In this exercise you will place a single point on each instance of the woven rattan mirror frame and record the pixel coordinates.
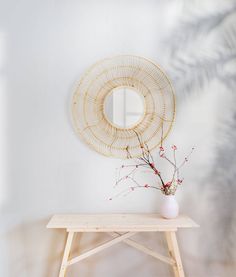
(135, 72)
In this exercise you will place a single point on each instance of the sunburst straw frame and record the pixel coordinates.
(137, 73)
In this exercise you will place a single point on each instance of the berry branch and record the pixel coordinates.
(146, 161)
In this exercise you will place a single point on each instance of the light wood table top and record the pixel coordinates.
(119, 222)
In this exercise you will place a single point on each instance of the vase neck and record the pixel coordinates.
(170, 196)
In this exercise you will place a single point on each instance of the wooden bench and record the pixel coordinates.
(121, 227)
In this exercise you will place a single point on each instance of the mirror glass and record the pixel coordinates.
(124, 107)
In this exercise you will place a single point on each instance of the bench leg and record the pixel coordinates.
(66, 254)
(174, 253)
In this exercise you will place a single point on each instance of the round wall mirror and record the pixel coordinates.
(124, 107)
(121, 103)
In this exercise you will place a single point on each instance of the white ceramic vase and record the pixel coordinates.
(169, 207)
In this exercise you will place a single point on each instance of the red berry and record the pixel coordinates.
(156, 172)
(167, 184)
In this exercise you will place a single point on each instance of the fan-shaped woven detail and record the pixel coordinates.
(88, 103)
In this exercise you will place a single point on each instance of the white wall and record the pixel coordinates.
(45, 46)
